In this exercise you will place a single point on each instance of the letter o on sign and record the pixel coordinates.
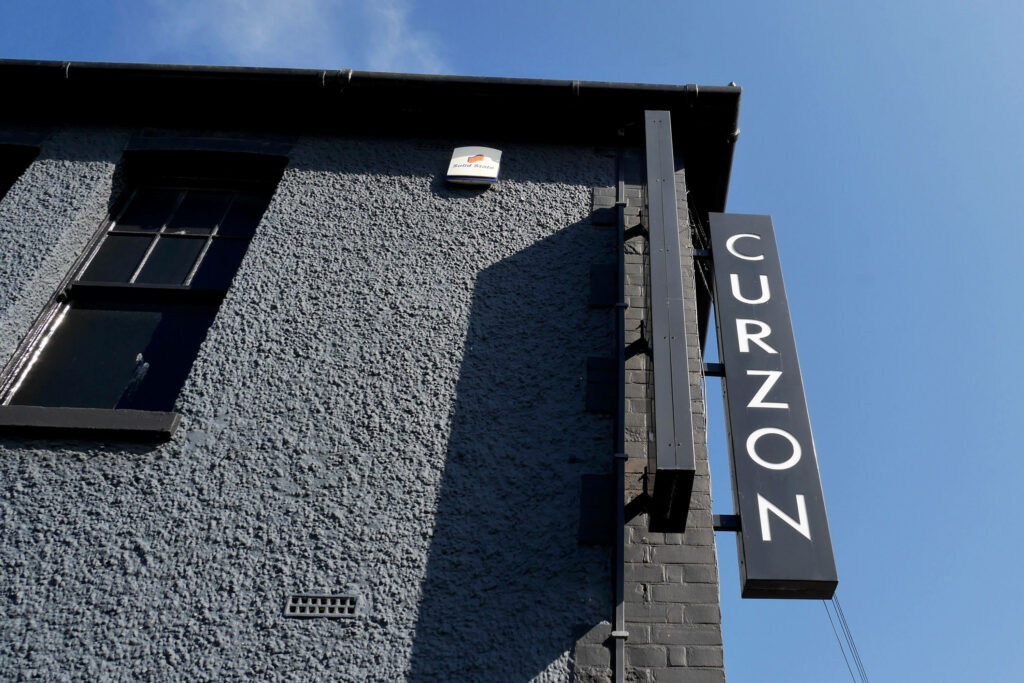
(764, 431)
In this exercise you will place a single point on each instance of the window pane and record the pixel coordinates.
(117, 259)
(14, 159)
(199, 211)
(244, 215)
(117, 354)
(219, 264)
(171, 261)
(149, 210)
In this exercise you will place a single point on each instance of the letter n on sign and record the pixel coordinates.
(785, 550)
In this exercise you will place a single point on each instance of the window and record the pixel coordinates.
(124, 332)
(14, 159)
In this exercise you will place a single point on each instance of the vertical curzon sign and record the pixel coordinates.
(785, 550)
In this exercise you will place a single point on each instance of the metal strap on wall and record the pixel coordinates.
(672, 448)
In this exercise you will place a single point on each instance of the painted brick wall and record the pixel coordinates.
(673, 610)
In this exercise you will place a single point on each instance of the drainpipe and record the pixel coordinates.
(619, 633)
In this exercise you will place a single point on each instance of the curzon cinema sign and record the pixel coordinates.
(785, 550)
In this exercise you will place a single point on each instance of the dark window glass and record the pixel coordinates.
(220, 264)
(111, 353)
(244, 216)
(118, 258)
(149, 209)
(129, 343)
(14, 159)
(171, 261)
(199, 212)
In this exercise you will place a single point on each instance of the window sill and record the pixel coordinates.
(89, 423)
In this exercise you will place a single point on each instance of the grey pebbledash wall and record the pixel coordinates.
(47, 217)
(389, 404)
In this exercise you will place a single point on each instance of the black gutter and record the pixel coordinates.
(359, 102)
(115, 71)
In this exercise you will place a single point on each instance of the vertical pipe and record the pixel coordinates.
(619, 633)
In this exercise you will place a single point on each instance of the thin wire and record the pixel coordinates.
(702, 267)
(699, 267)
(849, 635)
(839, 640)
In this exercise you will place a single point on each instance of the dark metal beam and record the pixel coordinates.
(714, 370)
(727, 522)
(672, 447)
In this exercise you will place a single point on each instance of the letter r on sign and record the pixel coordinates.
(745, 337)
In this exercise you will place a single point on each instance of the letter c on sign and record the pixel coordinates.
(764, 431)
(730, 244)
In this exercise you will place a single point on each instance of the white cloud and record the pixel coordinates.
(330, 34)
(396, 44)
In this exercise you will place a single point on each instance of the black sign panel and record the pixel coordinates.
(785, 550)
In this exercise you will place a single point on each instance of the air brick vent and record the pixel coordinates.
(321, 606)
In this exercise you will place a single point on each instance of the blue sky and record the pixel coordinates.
(885, 140)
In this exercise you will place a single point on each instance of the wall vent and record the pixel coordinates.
(310, 606)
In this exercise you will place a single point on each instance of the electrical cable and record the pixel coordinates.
(849, 635)
(839, 640)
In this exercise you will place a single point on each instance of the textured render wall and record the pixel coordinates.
(389, 403)
(673, 613)
(47, 217)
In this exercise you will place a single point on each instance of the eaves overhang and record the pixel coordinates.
(347, 102)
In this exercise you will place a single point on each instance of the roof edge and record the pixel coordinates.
(74, 70)
(343, 101)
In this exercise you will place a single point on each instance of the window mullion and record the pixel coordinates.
(156, 238)
(209, 241)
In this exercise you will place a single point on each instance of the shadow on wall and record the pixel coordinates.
(507, 587)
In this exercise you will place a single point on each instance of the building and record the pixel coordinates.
(281, 403)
